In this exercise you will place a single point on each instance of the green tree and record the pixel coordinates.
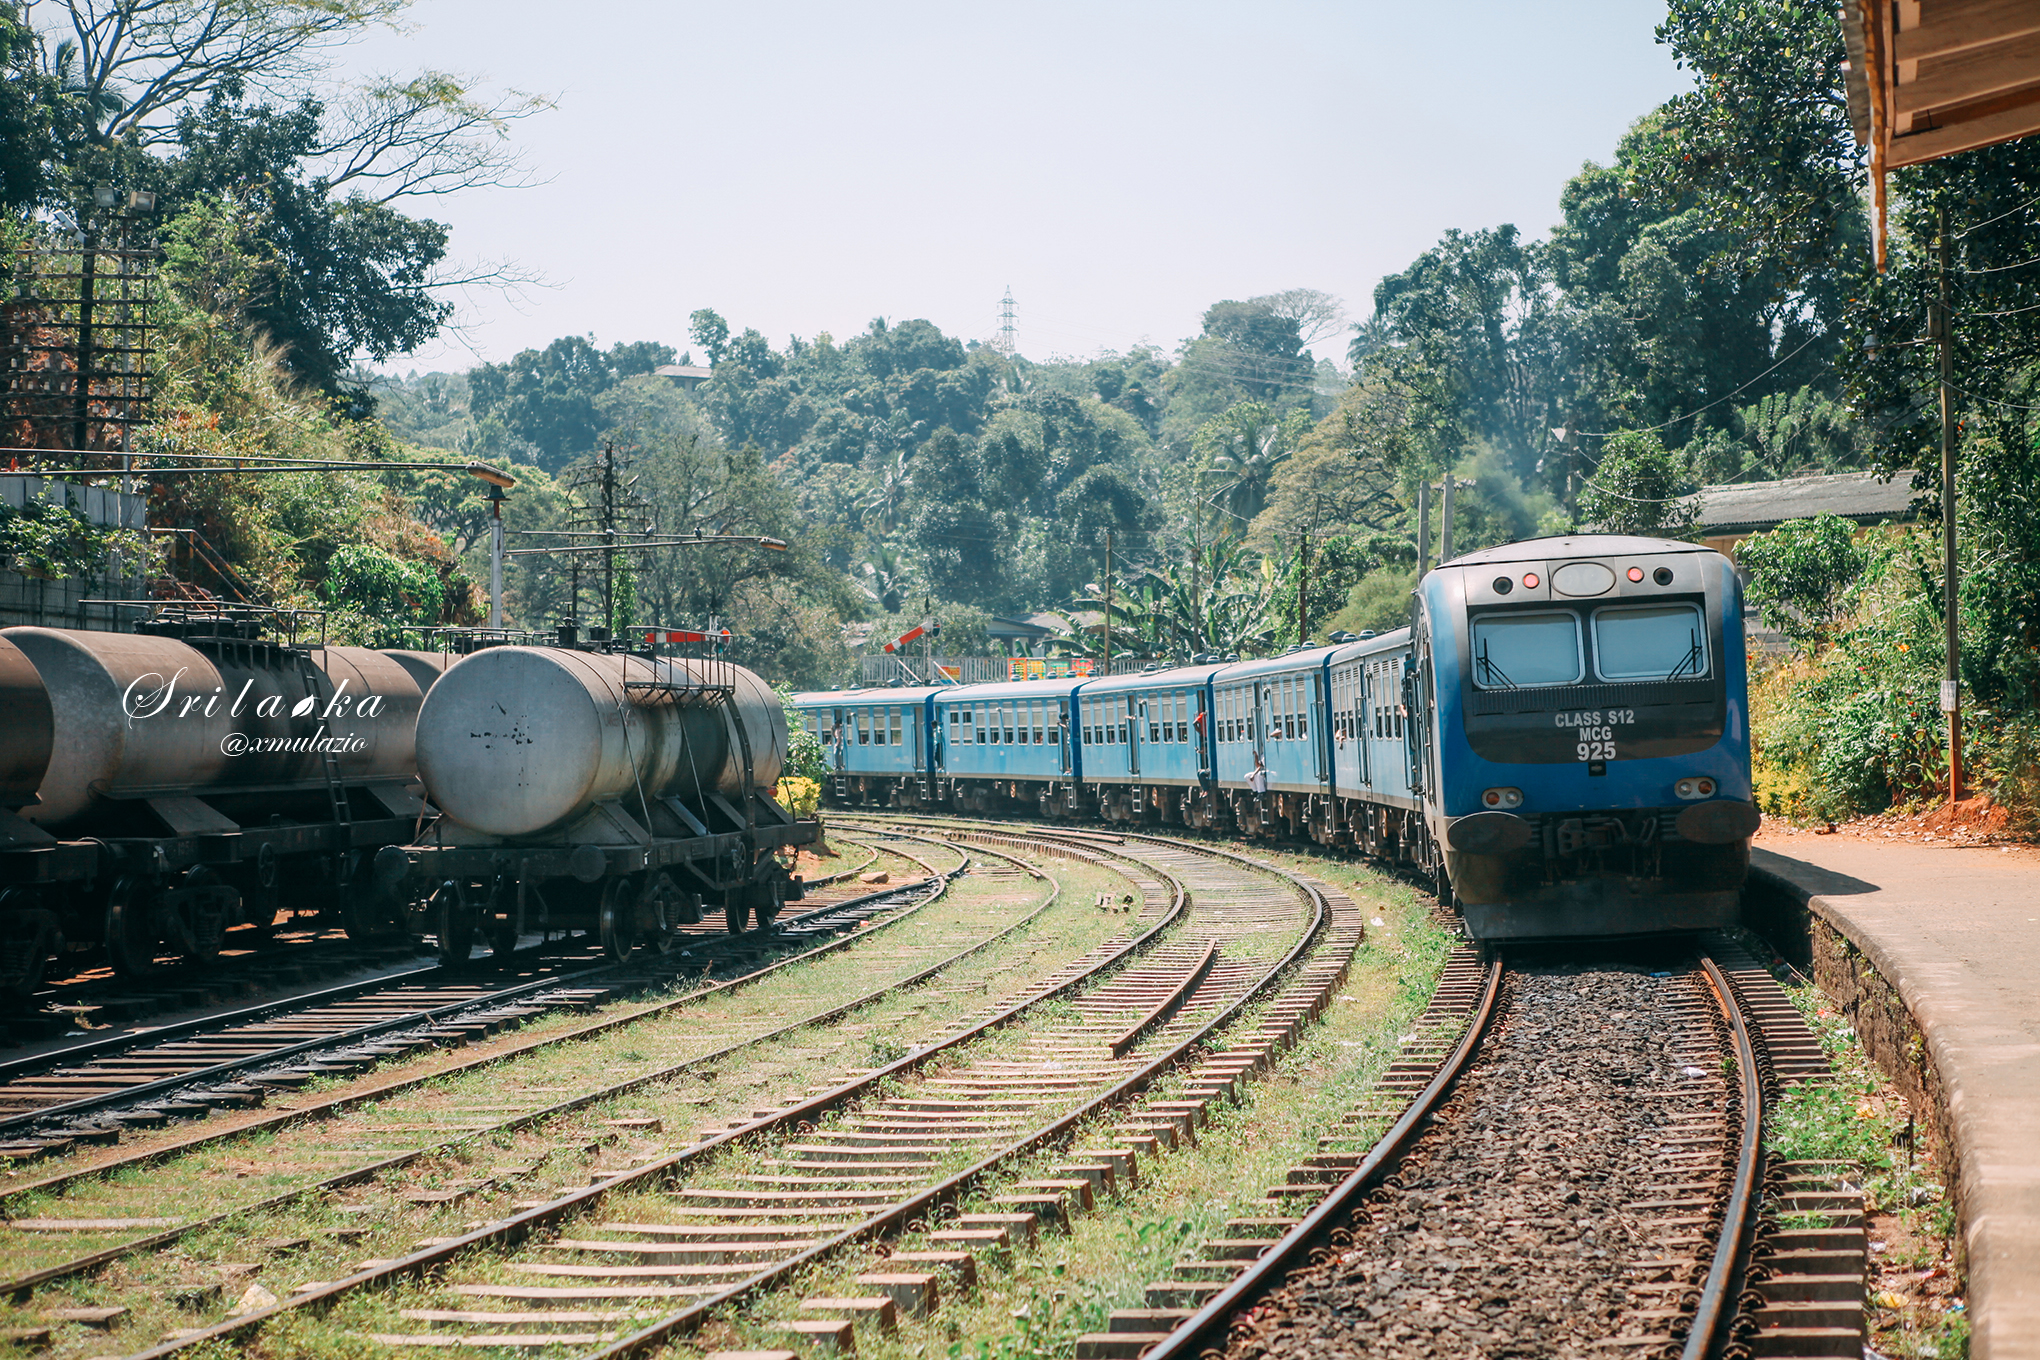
(30, 104)
(1242, 448)
(1639, 487)
(1804, 575)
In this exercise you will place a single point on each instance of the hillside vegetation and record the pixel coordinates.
(1704, 310)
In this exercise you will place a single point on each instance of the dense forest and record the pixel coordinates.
(1704, 309)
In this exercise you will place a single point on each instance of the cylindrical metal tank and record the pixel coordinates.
(135, 715)
(27, 732)
(425, 667)
(513, 741)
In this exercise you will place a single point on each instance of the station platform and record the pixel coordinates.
(1955, 931)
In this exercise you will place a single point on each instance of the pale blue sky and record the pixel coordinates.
(803, 167)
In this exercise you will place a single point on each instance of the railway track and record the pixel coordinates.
(1010, 1073)
(93, 1091)
(87, 1200)
(1432, 1221)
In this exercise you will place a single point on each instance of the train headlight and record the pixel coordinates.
(1690, 789)
(1636, 573)
(1502, 798)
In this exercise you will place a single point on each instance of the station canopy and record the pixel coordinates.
(1930, 78)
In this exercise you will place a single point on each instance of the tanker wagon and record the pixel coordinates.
(162, 787)
(615, 793)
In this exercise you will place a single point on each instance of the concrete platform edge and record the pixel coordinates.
(1917, 1056)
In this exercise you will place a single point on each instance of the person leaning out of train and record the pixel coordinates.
(1258, 780)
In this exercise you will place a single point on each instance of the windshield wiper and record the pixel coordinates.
(1490, 674)
(1692, 659)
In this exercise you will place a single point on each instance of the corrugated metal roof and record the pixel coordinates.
(1741, 507)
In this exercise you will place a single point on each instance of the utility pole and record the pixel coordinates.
(1303, 588)
(1445, 530)
(1941, 328)
(1423, 527)
(1108, 601)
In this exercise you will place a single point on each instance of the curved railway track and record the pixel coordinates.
(1209, 939)
(897, 970)
(92, 1091)
(897, 1180)
(1344, 1207)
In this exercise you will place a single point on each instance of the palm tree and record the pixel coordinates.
(1244, 445)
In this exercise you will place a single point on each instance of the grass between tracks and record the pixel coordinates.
(500, 1169)
(1916, 1307)
(1031, 1303)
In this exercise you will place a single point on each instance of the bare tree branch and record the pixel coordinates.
(144, 60)
(1316, 314)
(428, 135)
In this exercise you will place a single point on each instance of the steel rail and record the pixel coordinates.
(1715, 1313)
(1207, 1325)
(938, 879)
(665, 1329)
(70, 1111)
(358, 1174)
(35, 1064)
(514, 1229)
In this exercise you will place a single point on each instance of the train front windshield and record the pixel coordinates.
(1652, 642)
(1514, 650)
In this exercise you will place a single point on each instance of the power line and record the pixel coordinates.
(1598, 434)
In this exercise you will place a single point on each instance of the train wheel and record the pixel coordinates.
(132, 938)
(736, 910)
(454, 921)
(769, 902)
(499, 919)
(616, 919)
(661, 910)
(32, 936)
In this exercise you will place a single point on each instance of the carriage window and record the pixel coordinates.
(1154, 717)
(1514, 651)
(1304, 689)
(1652, 642)
(896, 717)
(864, 727)
(1040, 723)
(1121, 714)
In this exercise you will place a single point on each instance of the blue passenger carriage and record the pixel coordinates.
(876, 742)
(1146, 746)
(1374, 806)
(1006, 744)
(1273, 712)
(1583, 741)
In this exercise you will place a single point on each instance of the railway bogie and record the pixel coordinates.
(1559, 739)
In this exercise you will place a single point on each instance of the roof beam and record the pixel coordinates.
(1947, 28)
(1975, 74)
(2003, 125)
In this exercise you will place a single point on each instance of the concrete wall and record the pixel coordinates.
(26, 599)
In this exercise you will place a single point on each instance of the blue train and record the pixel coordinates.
(1560, 738)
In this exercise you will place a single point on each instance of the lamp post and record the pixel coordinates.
(499, 481)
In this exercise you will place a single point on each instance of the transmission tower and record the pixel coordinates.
(1005, 344)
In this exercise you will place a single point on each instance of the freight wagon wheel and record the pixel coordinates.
(132, 937)
(616, 919)
(736, 909)
(500, 919)
(769, 901)
(662, 908)
(32, 936)
(454, 921)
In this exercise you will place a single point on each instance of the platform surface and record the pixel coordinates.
(1956, 930)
